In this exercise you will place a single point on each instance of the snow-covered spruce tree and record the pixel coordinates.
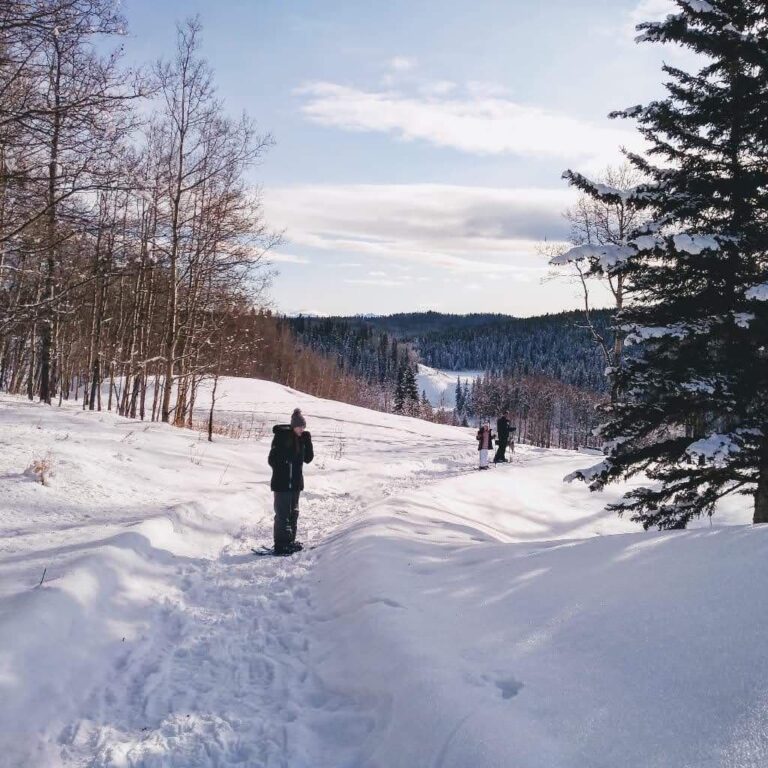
(459, 399)
(692, 410)
(410, 390)
(400, 395)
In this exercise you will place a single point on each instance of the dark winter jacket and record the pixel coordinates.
(491, 438)
(503, 427)
(287, 457)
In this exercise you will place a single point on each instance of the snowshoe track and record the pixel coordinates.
(223, 675)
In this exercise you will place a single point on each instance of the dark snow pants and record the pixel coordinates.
(286, 517)
(501, 451)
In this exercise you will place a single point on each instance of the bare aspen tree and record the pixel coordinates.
(601, 222)
(205, 213)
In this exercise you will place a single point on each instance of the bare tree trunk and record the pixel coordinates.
(213, 405)
(46, 334)
(32, 362)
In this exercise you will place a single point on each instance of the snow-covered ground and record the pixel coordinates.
(440, 386)
(446, 618)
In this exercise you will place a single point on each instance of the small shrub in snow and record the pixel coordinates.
(339, 443)
(41, 469)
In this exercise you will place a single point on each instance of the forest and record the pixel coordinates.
(545, 370)
(130, 239)
(558, 346)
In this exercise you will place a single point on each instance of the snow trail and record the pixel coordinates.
(225, 676)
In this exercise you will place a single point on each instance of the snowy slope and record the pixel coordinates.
(497, 625)
(440, 386)
(447, 617)
(156, 638)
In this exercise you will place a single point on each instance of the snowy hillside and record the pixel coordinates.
(446, 618)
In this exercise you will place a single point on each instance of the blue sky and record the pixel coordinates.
(420, 144)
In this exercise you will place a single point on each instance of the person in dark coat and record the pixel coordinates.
(484, 444)
(504, 429)
(291, 450)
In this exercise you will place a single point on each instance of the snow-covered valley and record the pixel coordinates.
(440, 386)
(444, 617)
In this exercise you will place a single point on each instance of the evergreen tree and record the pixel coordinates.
(692, 405)
(470, 401)
(400, 391)
(459, 397)
(425, 407)
(466, 398)
(410, 389)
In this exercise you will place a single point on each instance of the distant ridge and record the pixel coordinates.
(555, 345)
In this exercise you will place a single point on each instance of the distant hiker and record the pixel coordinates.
(504, 429)
(484, 444)
(291, 449)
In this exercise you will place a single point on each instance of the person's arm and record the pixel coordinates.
(272, 460)
(309, 451)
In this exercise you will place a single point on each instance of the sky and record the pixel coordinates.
(419, 144)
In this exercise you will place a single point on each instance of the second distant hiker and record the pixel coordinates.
(291, 450)
(504, 430)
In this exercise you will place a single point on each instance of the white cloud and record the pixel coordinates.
(384, 283)
(438, 87)
(402, 64)
(658, 10)
(481, 119)
(458, 230)
(651, 10)
(287, 258)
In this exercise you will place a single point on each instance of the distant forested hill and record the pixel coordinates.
(557, 346)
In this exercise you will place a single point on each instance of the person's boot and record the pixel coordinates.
(296, 546)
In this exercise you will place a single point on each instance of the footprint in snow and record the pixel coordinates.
(509, 687)
(384, 601)
(506, 685)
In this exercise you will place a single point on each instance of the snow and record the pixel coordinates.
(590, 473)
(715, 448)
(758, 293)
(743, 319)
(639, 333)
(695, 244)
(440, 385)
(608, 256)
(605, 190)
(447, 617)
(695, 386)
(648, 242)
(701, 6)
(683, 243)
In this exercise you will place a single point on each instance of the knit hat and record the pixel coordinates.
(297, 420)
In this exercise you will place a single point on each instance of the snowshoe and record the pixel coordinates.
(286, 551)
(271, 552)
